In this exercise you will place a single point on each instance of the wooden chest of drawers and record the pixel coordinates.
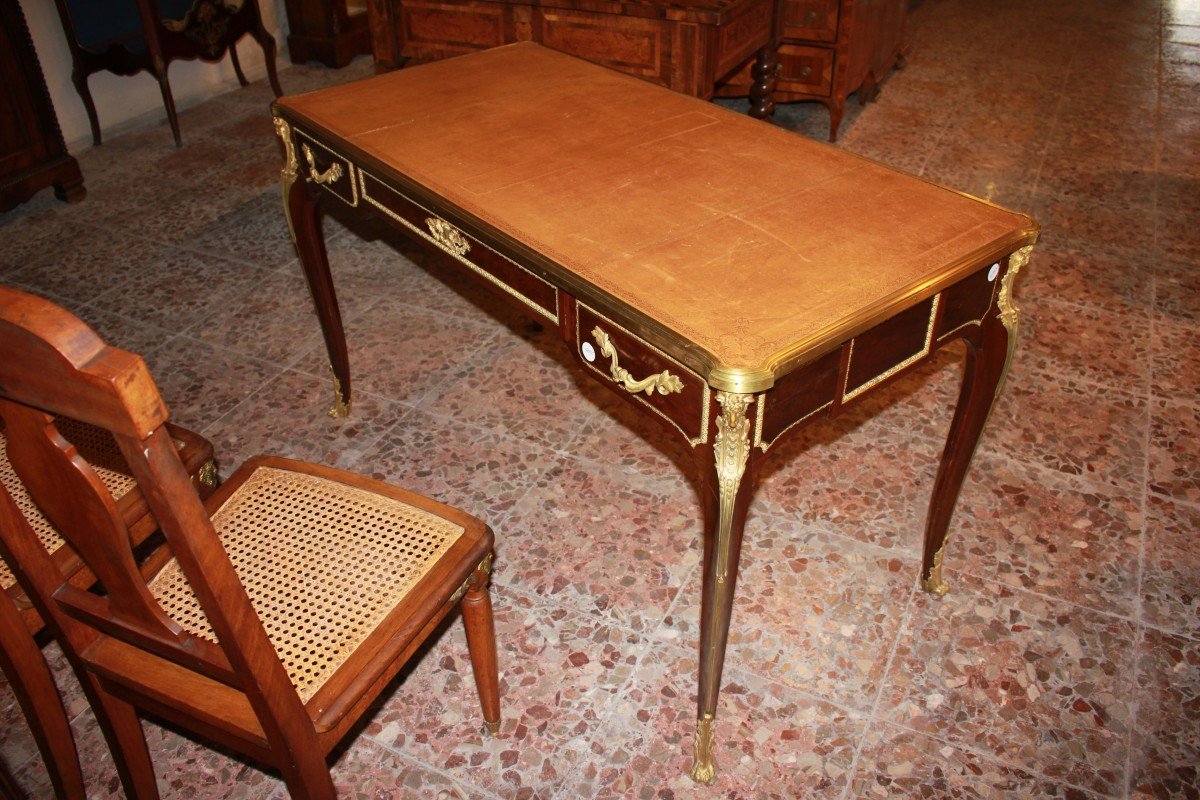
(830, 49)
(686, 45)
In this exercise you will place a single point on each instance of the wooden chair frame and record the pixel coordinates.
(188, 41)
(21, 658)
(128, 653)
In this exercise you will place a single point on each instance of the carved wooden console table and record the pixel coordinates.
(730, 279)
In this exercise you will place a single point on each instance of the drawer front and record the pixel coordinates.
(812, 20)
(432, 30)
(633, 45)
(889, 347)
(641, 372)
(805, 69)
(326, 168)
(507, 275)
(965, 303)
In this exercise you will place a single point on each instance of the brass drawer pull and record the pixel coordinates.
(663, 382)
(810, 16)
(804, 73)
(331, 175)
(447, 237)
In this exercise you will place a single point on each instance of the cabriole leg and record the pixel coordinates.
(989, 354)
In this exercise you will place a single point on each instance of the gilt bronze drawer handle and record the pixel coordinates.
(331, 175)
(447, 237)
(663, 382)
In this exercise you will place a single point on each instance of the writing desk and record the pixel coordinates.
(730, 279)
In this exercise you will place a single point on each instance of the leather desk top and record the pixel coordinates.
(736, 246)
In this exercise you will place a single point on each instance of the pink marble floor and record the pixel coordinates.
(1064, 663)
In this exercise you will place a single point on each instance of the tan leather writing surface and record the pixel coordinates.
(757, 246)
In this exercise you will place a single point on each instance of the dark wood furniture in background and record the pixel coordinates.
(126, 38)
(20, 657)
(277, 610)
(330, 31)
(829, 49)
(689, 45)
(32, 153)
(729, 280)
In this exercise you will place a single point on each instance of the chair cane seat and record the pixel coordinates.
(101, 451)
(323, 563)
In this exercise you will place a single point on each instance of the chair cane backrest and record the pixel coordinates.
(52, 364)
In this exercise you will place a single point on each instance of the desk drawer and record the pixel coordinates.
(634, 368)
(324, 167)
(813, 20)
(505, 274)
(805, 69)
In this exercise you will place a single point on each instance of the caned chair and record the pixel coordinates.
(20, 657)
(278, 609)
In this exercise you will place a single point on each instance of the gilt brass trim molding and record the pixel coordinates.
(662, 382)
(428, 236)
(758, 426)
(892, 370)
(484, 568)
(704, 395)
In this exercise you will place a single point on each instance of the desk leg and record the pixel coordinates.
(765, 73)
(301, 204)
(989, 353)
(726, 491)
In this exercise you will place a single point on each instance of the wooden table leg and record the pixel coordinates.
(301, 204)
(728, 469)
(989, 352)
(765, 73)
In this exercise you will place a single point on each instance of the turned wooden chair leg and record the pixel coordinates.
(481, 642)
(237, 65)
(22, 663)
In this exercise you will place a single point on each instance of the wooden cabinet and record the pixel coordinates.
(829, 49)
(330, 31)
(686, 45)
(32, 153)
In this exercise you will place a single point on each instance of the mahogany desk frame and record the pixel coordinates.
(731, 420)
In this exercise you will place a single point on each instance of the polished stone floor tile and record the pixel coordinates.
(1033, 681)
(1171, 575)
(1175, 449)
(812, 610)
(1166, 740)
(771, 741)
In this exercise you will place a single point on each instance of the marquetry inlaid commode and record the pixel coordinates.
(731, 281)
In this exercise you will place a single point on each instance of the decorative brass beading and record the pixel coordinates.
(703, 770)
(331, 175)
(208, 474)
(662, 382)
(340, 407)
(447, 237)
(289, 173)
(935, 584)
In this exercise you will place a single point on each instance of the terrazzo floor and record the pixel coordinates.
(1065, 662)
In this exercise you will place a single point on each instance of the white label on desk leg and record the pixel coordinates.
(588, 351)
(993, 272)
